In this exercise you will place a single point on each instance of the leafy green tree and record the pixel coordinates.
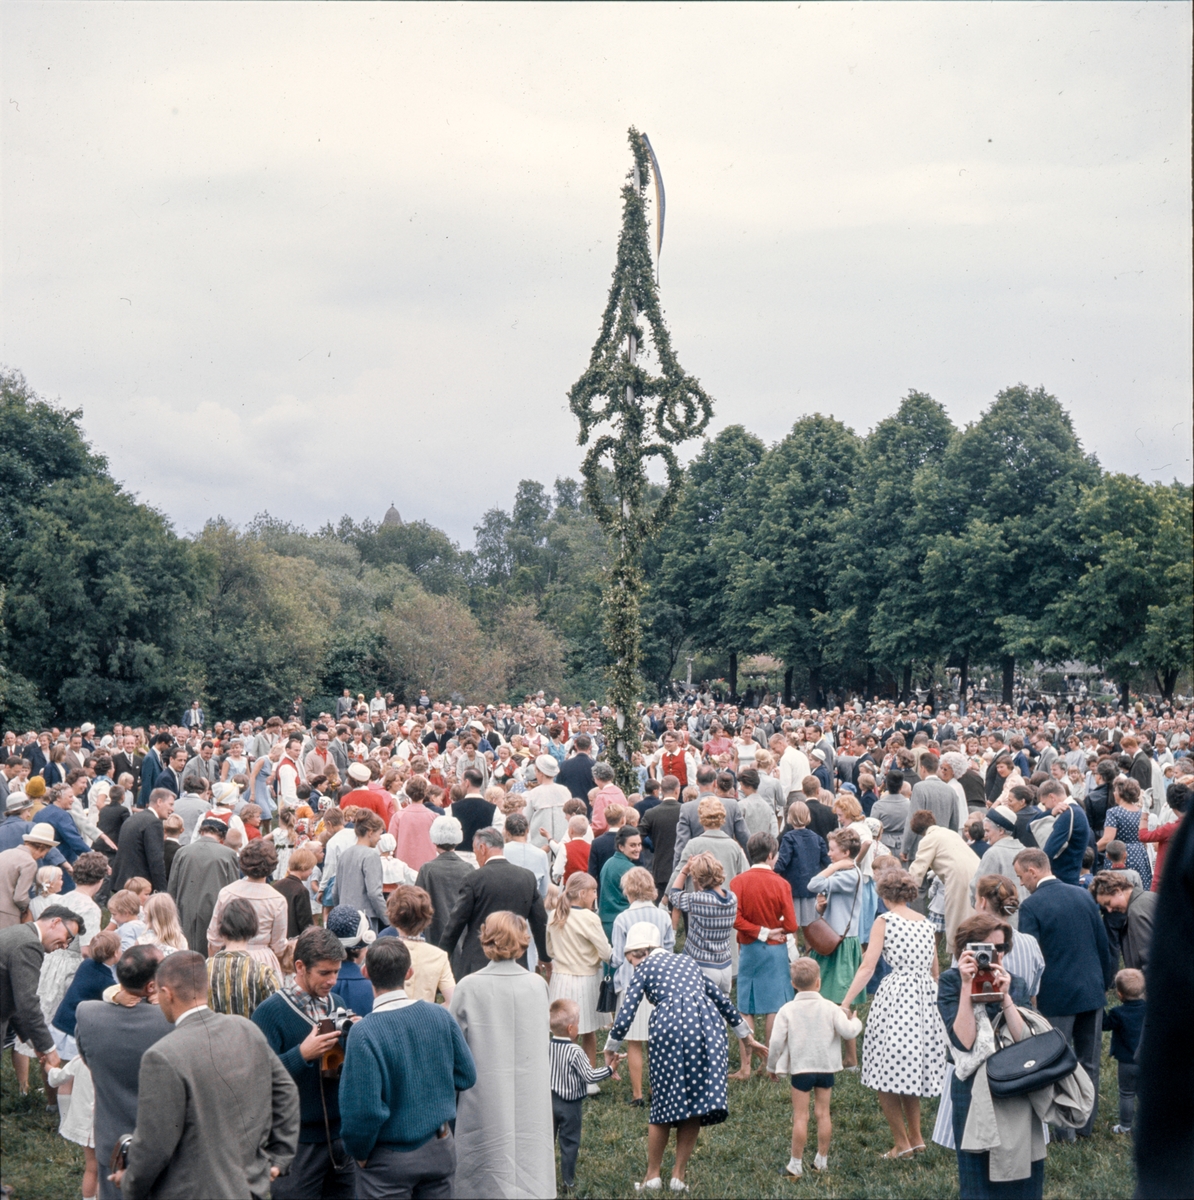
(998, 510)
(1129, 610)
(876, 610)
(779, 579)
(710, 528)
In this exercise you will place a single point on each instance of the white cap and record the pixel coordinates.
(359, 772)
(546, 764)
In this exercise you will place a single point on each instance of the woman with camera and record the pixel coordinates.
(968, 1025)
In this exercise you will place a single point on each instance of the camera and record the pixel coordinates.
(338, 1021)
(983, 987)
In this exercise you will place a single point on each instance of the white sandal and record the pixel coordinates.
(649, 1185)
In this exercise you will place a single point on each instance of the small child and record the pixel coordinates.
(806, 1043)
(125, 907)
(571, 854)
(571, 1075)
(250, 817)
(1126, 1021)
(1088, 861)
(140, 887)
(1117, 860)
(48, 881)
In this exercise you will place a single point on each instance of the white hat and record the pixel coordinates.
(224, 792)
(446, 831)
(643, 936)
(819, 755)
(42, 834)
(17, 802)
(359, 772)
(546, 764)
(387, 844)
(87, 727)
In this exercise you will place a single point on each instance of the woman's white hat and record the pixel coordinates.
(359, 772)
(546, 764)
(643, 936)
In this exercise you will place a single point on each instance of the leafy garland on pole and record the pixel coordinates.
(648, 415)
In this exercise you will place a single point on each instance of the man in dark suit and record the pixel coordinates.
(142, 846)
(473, 811)
(217, 1112)
(126, 762)
(153, 765)
(1067, 923)
(576, 773)
(170, 776)
(498, 886)
(442, 878)
(659, 824)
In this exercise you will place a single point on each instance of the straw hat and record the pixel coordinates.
(42, 834)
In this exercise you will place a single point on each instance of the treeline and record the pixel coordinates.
(859, 563)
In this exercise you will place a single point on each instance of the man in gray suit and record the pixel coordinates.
(935, 795)
(1046, 754)
(217, 1113)
(689, 825)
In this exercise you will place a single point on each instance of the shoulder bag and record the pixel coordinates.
(1029, 1065)
(821, 936)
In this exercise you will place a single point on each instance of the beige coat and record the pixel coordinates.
(946, 854)
(807, 1036)
(18, 869)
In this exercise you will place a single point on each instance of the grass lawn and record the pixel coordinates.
(742, 1157)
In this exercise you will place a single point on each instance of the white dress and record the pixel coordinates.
(904, 1044)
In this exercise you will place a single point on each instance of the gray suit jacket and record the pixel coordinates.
(215, 1110)
(940, 799)
(358, 883)
(689, 825)
(21, 956)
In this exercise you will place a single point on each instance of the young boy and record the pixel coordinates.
(806, 1043)
(571, 1074)
(1126, 1022)
(1088, 861)
(125, 909)
(1117, 860)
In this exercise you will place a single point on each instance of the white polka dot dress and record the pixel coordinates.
(689, 1050)
(904, 1044)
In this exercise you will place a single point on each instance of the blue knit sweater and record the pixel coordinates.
(402, 1070)
(284, 1029)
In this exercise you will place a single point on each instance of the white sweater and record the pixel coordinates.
(807, 1036)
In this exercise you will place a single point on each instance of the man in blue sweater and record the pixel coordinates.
(404, 1064)
(1070, 834)
(322, 1167)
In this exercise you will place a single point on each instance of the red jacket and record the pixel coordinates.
(576, 857)
(764, 902)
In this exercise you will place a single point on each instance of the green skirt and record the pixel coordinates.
(839, 969)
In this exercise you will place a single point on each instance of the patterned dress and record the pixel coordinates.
(904, 1047)
(689, 1054)
(1126, 823)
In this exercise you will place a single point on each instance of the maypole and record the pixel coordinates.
(647, 416)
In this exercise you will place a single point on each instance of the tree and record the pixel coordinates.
(1129, 610)
(876, 608)
(1007, 489)
(711, 526)
(616, 389)
(779, 580)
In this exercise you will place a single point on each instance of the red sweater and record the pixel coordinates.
(764, 902)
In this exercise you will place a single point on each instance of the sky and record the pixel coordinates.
(317, 259)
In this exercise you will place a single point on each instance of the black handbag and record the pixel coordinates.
(1027, 1066)
(607, 997)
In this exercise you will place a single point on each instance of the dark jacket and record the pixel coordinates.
(298, 904)
(442, 878)
(602, 849)
(125, 764)
(21, 955)
(70, 841)
(802, 854)
(1068, 841)
(576, 774)
(1095, 804)
(972, 785)
(151, 767)
(499, 886)
(823, 819)
(89, 983)
(141, 851)
(659, 824)
(473, 813)
(1067, 923)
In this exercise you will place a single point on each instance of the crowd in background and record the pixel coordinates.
(429, 913)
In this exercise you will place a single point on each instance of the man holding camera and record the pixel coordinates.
(298, 1024)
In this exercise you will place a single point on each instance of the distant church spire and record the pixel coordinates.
(392, 517)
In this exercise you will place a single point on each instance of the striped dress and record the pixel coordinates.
(237, 983)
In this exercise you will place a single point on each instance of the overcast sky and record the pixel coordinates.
(314, 259)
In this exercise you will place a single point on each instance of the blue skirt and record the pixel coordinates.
(764, 981)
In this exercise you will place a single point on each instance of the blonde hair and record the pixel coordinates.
(846, 806)
(637, 884)
(578, 882)
(798, 814)
(504, 936)
(578, 826)
(763, 759)
(46, 878)
(691, 792)
(712, 813)
(139, 887)
(562, 1013)
(706, 872)
(125, 903)
(301, 859)
(806, 974)
(161, 916)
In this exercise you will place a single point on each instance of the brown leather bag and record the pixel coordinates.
(821, 936)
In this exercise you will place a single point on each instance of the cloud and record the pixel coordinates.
(313, 259)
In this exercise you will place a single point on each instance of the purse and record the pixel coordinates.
(1027, 1066)
(821, 936)
(607, 996)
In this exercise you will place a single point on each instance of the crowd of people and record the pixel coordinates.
(371, 953)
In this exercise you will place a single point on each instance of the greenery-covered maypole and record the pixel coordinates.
(647, 415)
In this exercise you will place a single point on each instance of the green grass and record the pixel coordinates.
(741, 1157)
